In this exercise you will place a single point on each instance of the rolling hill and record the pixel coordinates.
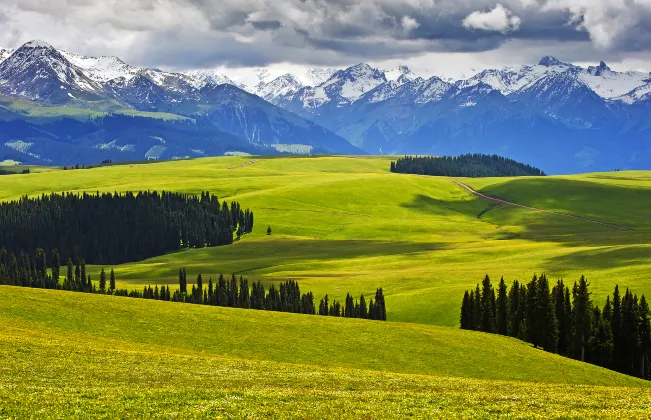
(131, 357)
(340, 224)
(346, 224)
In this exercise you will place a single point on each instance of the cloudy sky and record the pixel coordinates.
(446, 37)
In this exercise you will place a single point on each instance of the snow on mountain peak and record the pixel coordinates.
(5, 53)
(401, 75)
(284, 86)
(37, 44)
(102, 69)
(317, 76)
(549, 61)
(599, 70)
(205, 77)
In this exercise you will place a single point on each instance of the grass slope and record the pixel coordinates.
(77, 355)
(345, 224)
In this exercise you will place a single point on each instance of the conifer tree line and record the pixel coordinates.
(233, 292)
(356, 308)
(6, 172)
(565, 321)
(116, 228)
(469, 165)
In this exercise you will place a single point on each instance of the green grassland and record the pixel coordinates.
(76, 355)
(345, 224)
(13, 108)
(340, 224)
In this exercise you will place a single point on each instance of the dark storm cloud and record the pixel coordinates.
(200, 33)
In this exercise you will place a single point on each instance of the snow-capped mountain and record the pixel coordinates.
(37, 71)
(600, 79)
(280, 90)
(205, 77)
(593, 117)
(102, 69)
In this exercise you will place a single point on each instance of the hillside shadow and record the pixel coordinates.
(431, 206)
(604, 258)
(624, 206)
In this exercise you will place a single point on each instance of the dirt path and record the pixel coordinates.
(251, 162)
(499, 200)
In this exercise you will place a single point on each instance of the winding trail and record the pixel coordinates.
(499, 200)
(251, 162)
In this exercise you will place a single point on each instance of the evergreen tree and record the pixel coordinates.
(471, 311)
(514, 301)
(600, 344)
(616, 325)
(478, 308)
(183, 283)
(487, 302)
(644, 329)
(548, 328)
(582, 313)
(102, 281)
(233, 292)
(55, 264)
(465, 309)
(269, 230)
(502, 309)
(112, 281)
(532, 333)
(70, 280)
(363, 310)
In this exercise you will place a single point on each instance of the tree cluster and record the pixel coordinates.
(470, 165)
(43, 271)
(115, 228)
(566, 321)
(6, 172)
(235, 293)
(355, 308)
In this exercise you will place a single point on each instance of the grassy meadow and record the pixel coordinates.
(339, 224)
(93, 356)
(345, 224)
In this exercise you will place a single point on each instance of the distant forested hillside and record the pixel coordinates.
(115, 228)
(470, 165)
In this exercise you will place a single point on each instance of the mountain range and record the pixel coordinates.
(554, 115)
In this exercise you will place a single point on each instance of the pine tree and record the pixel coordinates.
(532, 332)
(471, 311)
(465, 308)
(645, 337)
(514, 300)
(582, 313)
(102, 281)
(502, 309)
(548, 328)
(478, 308)
(233, 292)
(269, 230)
(363, 310)
(183, 284)
(487, 323)
(600, 344)
(55, 263)
(616, 325)
(112, 281)
(70, 280)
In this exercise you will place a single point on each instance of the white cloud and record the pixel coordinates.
(500, 19)
(409, 24)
